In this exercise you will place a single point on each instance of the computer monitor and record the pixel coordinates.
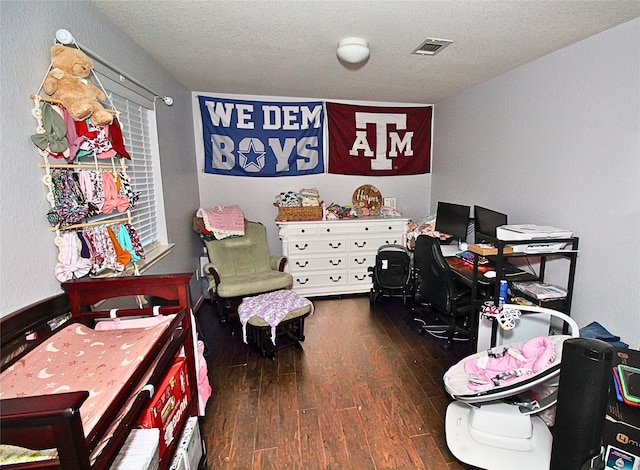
(452, 219)
(486, 221)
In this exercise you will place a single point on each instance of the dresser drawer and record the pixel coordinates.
(295, 231)
(330, 261)
(370, 244)
(316, 245)
(395, 226)
(338, 278)
(360, 278)
(361, 260)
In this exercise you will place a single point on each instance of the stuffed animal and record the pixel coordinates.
(67, 81)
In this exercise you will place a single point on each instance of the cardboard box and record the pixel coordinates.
(190, 449)
(140, 451)
(485, 249)
(622, 424)
(168, 405)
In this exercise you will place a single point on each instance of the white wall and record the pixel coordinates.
(27, 252)
(557, 142)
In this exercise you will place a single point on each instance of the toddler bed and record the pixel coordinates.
(77, 390)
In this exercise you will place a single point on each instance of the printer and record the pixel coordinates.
(541, 237)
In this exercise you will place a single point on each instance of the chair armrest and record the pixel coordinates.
(278, 263)
(211, 274)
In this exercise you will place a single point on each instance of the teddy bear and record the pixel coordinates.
(67, 82)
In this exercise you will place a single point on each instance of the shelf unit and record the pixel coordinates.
(570, 252)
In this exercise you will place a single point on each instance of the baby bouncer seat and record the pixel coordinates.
(497, 420)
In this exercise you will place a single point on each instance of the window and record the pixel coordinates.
(137, 120)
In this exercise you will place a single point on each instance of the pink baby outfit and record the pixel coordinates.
(501, 366)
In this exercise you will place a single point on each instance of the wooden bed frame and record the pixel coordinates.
(53, 421)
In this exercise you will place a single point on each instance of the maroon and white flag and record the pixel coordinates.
(379, 140)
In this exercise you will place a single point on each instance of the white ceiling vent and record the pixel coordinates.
(431, 46)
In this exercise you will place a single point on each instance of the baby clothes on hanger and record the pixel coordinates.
(71, 265)
(135, 240)
(112, 199)
(68, 200)
(122, 256)
(124, 239)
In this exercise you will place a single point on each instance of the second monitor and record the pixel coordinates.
(486, 221)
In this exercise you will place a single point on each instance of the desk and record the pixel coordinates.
(472, 275)
(464, 271)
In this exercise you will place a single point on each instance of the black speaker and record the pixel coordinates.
(582, 400)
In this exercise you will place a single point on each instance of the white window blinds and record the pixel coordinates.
(137, 120)
(136, 133)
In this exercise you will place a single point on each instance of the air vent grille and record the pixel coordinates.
(431, 46)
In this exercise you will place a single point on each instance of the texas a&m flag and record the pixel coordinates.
(379, 140)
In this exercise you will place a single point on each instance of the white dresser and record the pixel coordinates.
(332, 257)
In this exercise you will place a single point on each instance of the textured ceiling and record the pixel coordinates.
(288, 48)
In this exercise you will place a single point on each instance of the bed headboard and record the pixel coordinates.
(83, 293)
(22, 330)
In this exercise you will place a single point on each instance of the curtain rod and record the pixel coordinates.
(65, 37)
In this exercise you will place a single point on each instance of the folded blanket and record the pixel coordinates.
(272, 307)
(223, 221)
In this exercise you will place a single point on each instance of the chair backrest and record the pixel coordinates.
(436, 279)
(236, 256)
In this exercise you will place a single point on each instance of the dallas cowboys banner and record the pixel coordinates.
(379, 140)
(262, 138)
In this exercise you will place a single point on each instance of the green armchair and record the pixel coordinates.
(243, 266)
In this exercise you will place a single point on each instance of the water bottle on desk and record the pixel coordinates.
(503, 293)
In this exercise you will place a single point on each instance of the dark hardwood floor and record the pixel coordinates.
(364, 392)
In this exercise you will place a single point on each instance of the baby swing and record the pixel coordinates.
(495, 421)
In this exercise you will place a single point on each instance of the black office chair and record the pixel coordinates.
(440, 293)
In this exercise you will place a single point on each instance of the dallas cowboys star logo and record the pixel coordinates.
(252, 157)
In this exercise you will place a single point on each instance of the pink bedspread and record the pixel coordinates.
(78, 358)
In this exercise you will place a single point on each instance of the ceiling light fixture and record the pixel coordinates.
(353, 50)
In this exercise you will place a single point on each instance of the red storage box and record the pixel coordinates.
(169, 405)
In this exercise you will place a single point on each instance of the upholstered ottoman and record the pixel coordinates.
(274, 320)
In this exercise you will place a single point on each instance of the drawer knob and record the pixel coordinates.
(302, 265)
(300, 281)
(362, 261)
(361, 278)
(302, 248)
(335, 246)
(328, 230)
(334, 279)
(359, 245)
(335, 263)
